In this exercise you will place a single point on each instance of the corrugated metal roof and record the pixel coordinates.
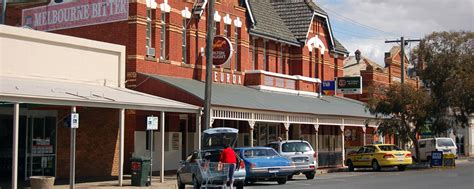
(49, 92)
(248, 98)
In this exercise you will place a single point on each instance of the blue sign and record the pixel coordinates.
(328, 85)
(436, 158)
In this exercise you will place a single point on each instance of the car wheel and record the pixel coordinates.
(350, 165)
(282, 180)
(402, 167)
(290, 177)
(181, 185)
(240, 185)
(196, 183)
(310, 175)
(375, 165)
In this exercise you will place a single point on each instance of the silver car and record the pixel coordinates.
(301, 153)
(214, 140)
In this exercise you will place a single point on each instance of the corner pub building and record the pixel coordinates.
(269, 89)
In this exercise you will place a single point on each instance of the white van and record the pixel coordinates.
(445, 145)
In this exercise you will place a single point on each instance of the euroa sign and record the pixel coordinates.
(221, 50)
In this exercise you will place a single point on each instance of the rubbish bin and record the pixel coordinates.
(140, 171)
(42, 182)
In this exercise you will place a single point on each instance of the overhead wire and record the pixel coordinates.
(358, 23)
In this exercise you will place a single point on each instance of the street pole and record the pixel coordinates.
(402, 42)
(72, 165)
(209, 42)
(4, 11)
(402, 59)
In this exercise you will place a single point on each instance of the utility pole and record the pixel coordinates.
(402, 42)
(209, 42)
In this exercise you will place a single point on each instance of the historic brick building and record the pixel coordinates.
(373, 75)
(269, 89)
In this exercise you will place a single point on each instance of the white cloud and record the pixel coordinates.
(410, 18)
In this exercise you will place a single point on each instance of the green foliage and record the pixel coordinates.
(445, 63)
(403, 111)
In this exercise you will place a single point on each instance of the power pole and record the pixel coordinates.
(402, 42)
(209, 42)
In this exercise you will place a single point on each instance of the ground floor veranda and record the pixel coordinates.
(44, 138)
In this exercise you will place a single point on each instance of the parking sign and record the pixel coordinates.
(74, 120)
(152, 123)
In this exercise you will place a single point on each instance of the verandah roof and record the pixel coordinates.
(245, 97)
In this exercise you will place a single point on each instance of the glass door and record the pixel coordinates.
(41, 146)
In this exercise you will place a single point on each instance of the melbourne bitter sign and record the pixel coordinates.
(78, 13)
(221, 50)
(349, 85)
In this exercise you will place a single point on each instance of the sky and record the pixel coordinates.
(366, 24)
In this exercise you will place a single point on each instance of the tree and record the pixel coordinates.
(403, 110)
(445, 63)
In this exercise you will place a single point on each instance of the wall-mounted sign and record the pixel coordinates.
(151, 123)
(57, 16)
(74, 120)
(349, 85)
(227, 78)
(328, 87)
(221, 50)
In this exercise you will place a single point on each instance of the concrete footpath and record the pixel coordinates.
(170, 183)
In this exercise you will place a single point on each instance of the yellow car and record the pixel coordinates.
(377, 156)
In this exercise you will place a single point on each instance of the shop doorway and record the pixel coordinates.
(41, 146)
(36, 143)
(183, 125)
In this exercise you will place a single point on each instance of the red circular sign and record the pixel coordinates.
(221, 50)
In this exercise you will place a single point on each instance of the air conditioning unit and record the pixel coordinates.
(150, 51)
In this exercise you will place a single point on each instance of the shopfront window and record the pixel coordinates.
(266, 133)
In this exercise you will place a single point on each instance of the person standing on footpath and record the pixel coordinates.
(228, 156)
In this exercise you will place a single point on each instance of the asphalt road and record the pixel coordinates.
(461, 177)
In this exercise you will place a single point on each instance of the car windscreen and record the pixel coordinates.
(254, 153)
(295, 147)
(445, 142)
(389, 148)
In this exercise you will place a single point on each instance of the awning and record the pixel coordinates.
(66, 93)
(238, 96)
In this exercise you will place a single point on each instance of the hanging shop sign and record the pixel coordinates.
(73, 14)
(349, 85)
(221, 50)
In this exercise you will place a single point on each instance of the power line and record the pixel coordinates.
(358, 23)
(355, 34)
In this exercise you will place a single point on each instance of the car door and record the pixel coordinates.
(189, 166)
(422, 148)
(367, 156)
(358, 156)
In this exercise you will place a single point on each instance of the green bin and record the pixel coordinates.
(140, 171)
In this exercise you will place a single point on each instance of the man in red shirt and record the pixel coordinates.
(228, 156)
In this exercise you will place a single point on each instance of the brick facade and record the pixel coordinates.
(97, 146)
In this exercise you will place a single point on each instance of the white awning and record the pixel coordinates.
(66, 93)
